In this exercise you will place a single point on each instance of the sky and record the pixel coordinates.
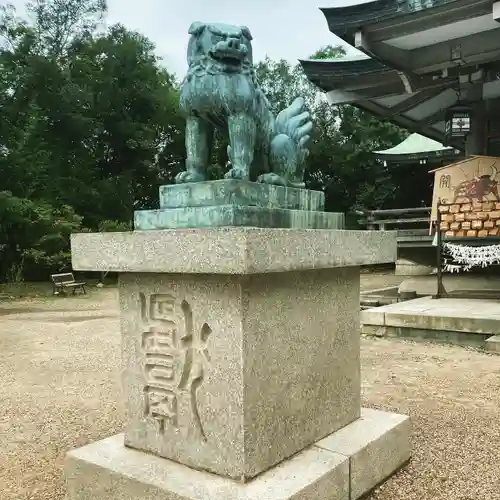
(288, 29)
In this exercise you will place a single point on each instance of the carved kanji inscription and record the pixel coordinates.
(176, 360)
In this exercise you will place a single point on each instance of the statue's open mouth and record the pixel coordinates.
(227, 58)
(229, 52)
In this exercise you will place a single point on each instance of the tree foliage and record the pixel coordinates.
(90, 128)
(341, 161)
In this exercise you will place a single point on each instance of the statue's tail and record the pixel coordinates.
(295, 122)
(288, 149)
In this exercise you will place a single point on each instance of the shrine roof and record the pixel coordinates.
(326, 73)
(378, 89)
(421, 36)
(417, 55)
(345, 21)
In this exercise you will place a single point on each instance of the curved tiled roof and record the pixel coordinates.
(383, 80)
(327, 72)
(345, 21)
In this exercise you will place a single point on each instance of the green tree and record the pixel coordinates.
(351, 135)
(120, 118)
(89, 129)
(58, 23)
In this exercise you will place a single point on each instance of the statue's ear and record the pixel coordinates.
(196, 28)
(246, 33)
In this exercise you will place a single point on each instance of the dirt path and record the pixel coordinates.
(60, 389)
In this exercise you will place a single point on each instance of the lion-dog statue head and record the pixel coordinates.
(220, 79)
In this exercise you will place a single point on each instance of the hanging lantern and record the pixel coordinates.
(457, 121)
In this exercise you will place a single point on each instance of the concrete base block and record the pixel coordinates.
(373, 330)
(404, 267)
(415, 261)
(343, 466)
(476, 340)
(377, 445)
(492, 344)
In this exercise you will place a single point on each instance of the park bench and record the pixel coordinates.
(66, 281)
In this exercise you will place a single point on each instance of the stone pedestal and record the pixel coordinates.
(343, 466)
(240, 352)
(248, 370)
(241, 367)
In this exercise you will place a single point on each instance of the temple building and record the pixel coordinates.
(429, 66)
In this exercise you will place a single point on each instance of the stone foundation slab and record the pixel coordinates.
(344, 466)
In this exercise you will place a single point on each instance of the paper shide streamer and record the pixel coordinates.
(467, 257)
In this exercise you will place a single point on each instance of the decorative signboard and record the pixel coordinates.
(467, 193)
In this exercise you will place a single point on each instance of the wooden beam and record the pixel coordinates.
(392, 56)
(468, 51)
(407, 123)
(414, 100)
(436, 117)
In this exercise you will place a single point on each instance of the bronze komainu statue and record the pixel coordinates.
(221, 91)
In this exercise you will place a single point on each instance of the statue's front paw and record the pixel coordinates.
(183, 177)
(238, 173)
(298, 184)
(271, 178)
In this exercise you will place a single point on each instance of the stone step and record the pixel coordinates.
(459, 321)
(366, 302)
(448, 314)
(492, 344)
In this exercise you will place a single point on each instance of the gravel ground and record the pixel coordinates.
(60, 372)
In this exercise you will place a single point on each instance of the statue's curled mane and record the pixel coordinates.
(205, 65)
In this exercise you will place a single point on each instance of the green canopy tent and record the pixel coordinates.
(419, 149)
(407, 165)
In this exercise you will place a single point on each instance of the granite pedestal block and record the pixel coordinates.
(230, 250)
(275, 365)
(241, 367)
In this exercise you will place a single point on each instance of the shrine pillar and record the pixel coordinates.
(476, 141)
